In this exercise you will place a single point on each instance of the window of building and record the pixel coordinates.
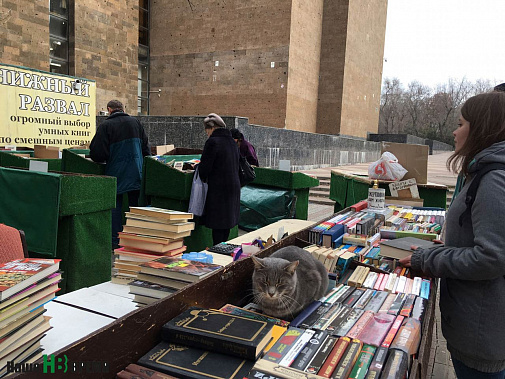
(143, 72)
(58, 36)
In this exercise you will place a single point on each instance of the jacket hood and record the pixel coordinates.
(117, 114)
(493, 154)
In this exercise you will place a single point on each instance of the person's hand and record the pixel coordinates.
(405, 262)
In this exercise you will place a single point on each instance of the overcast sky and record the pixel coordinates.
(433, 40)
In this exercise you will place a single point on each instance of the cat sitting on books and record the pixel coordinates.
(287, 281)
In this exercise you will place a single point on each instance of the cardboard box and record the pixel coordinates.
(162, 149)
(414, 158)
(42, 151)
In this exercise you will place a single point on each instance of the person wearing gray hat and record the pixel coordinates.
(219, 168)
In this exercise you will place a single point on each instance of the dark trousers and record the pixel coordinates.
(220, 235)
(117, 214)
(465, 372)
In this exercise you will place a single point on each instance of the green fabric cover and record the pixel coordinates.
(179, 158)
(10, 160)
(262, 206)
(346, 191)
(162, 180)
(79, 151)
(302, 203)
(30, 201)
(86, 193)
(72, 162)
(283, 179)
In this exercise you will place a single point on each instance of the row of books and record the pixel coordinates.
(25, 286)
(149, 233)
(348, 334)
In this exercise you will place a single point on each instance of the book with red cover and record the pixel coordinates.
(376, 330)
(392, 332)
(334, 357)
(177, 268)
(19, 274)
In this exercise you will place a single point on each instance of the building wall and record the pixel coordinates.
(106, 49)
(24, 32)
(304, 54)
(364, 52)
(245, 36)
(332, 64)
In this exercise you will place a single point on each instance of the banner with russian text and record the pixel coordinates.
(42, 108)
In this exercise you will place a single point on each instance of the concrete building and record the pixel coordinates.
(312, 66)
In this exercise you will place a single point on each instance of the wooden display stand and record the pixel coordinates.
(348, 188)
(128, 338)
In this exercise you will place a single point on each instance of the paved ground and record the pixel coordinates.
(440, 366)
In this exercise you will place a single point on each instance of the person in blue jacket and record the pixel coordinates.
(121, 142)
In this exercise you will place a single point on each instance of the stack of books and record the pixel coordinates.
(163, 276)
(148, 234)
(25, 286)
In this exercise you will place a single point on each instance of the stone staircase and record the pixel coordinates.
(321, 194)
(450, 193)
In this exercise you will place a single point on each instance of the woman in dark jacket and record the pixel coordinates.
(246, 149)
(219, 168)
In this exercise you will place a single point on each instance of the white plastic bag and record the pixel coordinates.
(198, 195)
(386, 168)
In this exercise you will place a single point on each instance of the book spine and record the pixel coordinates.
(392, 332)
(416, 287)
(397, 304)
(354, 297)
(341, 316)
(376, 301)
(300, 343)
(361, 324)
(297, 321)
(255, 374)
(308, 352)
(364, 299)
(315, 316)
(364, 360)
(408, 305)
(348, 323)
(327, 317)
(425, 289)
(347, 362)
(317, 361)
(283, 345)
(419, 309)
(396, 365)
(378, 362)
(334, 357)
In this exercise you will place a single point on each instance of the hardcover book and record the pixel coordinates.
(149, 244)
(19, 274)
(401, 247)
(321, 355)
(192, 363)
(392, 332)
(334, 357)
(396, 365)
(167, 282)
(364, 360)
(306, 312)
(310, 349)
(376, 301)
(166, 214)
(408, 337)
(376, 330)
(155, 232)
(344, 367)
(161, 226)
(348, 323)
(177, 268)
(219, 332)
(283, 345)
(289, 358)
(378, 362)
(139, 287)
(279, 371)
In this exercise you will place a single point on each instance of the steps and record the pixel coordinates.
(450, 194)
(321, 194)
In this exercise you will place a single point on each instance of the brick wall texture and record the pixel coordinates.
(24, 32)
(312, 66)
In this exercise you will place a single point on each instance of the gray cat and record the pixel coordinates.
(287, 281)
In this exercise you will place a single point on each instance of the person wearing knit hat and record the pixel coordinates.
(219, 168)
(245, 148)
(500, 88)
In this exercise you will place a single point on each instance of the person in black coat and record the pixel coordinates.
(219, 169)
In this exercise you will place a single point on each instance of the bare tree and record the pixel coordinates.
(391, 109)
(415, 99)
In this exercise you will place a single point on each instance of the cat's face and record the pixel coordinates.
(273, 279)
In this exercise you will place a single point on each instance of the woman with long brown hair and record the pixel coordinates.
(471, 265)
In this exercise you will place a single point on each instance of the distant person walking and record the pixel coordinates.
(219, 168)
(471, 265)
(246, 149)
(121, 142)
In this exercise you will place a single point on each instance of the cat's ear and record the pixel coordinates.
(258, 263)
(291, 268)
